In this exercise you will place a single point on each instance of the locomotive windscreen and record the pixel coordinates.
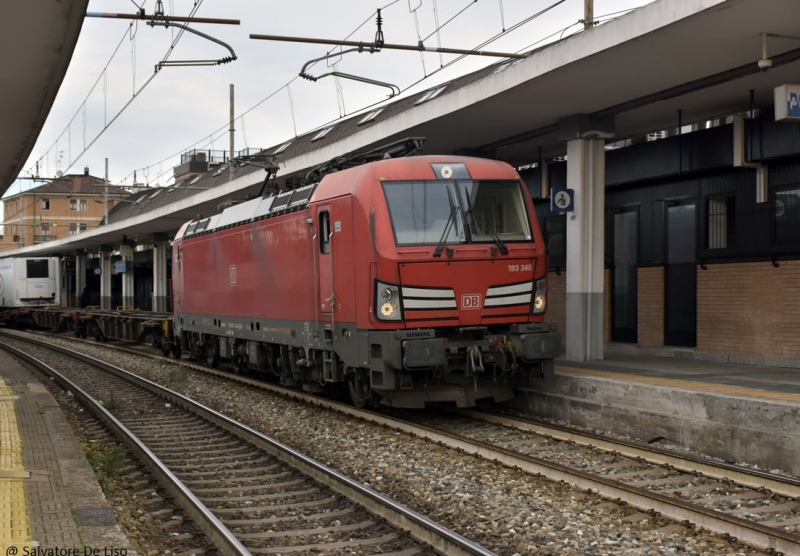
(463, 211)
(38, 268)
(424, 212)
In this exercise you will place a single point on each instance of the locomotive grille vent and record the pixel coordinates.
(506, 296)
(422, 299)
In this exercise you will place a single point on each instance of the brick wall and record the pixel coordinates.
(650, 302)
(557, 301)
(749, 309)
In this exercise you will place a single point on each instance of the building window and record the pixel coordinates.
(73, 228)
(82, 227)
(787, 214)
(45, 204)
(83, 205)
(322, 133)
(719, 218)
(371, 116)
(430, 95)
(73, 204)
(45, 231)
(555, 238)
(282, 147)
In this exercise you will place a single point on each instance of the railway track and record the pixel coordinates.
(760, 509)
(247, 492)
(757, 508)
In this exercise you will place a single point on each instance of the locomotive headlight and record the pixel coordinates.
(387, 302)
(540, 296)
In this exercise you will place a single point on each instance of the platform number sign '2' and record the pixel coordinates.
(562, 200)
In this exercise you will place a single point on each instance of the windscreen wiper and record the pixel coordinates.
(450, 221)
(471, 216)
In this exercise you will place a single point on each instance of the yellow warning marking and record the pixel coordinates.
(732, 390)
(14, 521)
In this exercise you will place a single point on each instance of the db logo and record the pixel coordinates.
(471, 301)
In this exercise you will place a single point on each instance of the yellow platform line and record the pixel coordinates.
(14, 519)
(680, 383)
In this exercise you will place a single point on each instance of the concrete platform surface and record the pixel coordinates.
(755, 380)
(49, 496)
(739, 413)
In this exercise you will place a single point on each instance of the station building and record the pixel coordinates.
(702, 240)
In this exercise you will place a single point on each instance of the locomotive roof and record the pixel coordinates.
(342, 183)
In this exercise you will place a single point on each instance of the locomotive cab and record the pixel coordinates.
(459, 289)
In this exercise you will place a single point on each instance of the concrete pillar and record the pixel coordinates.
(105, 279)
(63, 285)
(585, 242)
(128, 291)
(160, 289)
(80, 273)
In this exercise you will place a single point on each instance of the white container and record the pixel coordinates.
(29, 281)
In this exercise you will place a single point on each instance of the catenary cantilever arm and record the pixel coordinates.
(224, 60)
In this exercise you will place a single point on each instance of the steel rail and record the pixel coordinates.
(748, 532)
(753, 478)
(420, 526)
(218, 534)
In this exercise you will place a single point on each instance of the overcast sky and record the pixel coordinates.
(188, 107)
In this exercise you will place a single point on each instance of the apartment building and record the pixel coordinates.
(66, 206)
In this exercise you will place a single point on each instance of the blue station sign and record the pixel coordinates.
(562, 199)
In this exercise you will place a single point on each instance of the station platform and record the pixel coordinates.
(738, 413)
(758, 381)
(49, 497)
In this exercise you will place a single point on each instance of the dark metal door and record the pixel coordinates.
(624, 314)
(680, 276)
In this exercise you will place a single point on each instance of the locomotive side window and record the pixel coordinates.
(38, 268)
(325, 232)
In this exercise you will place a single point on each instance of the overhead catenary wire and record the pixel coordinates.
(223, 129)
(130, 32)
(86, 98)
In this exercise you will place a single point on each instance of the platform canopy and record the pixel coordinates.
(37, 39)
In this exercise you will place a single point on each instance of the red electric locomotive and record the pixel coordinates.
(410, 280)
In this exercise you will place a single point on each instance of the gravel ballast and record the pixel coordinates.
(507, 511)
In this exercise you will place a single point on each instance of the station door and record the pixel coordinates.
(680, 275)
(624, 313)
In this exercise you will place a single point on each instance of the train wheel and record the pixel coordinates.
(165, 352)
(359, 390)
(212, 355)
(176, 350)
